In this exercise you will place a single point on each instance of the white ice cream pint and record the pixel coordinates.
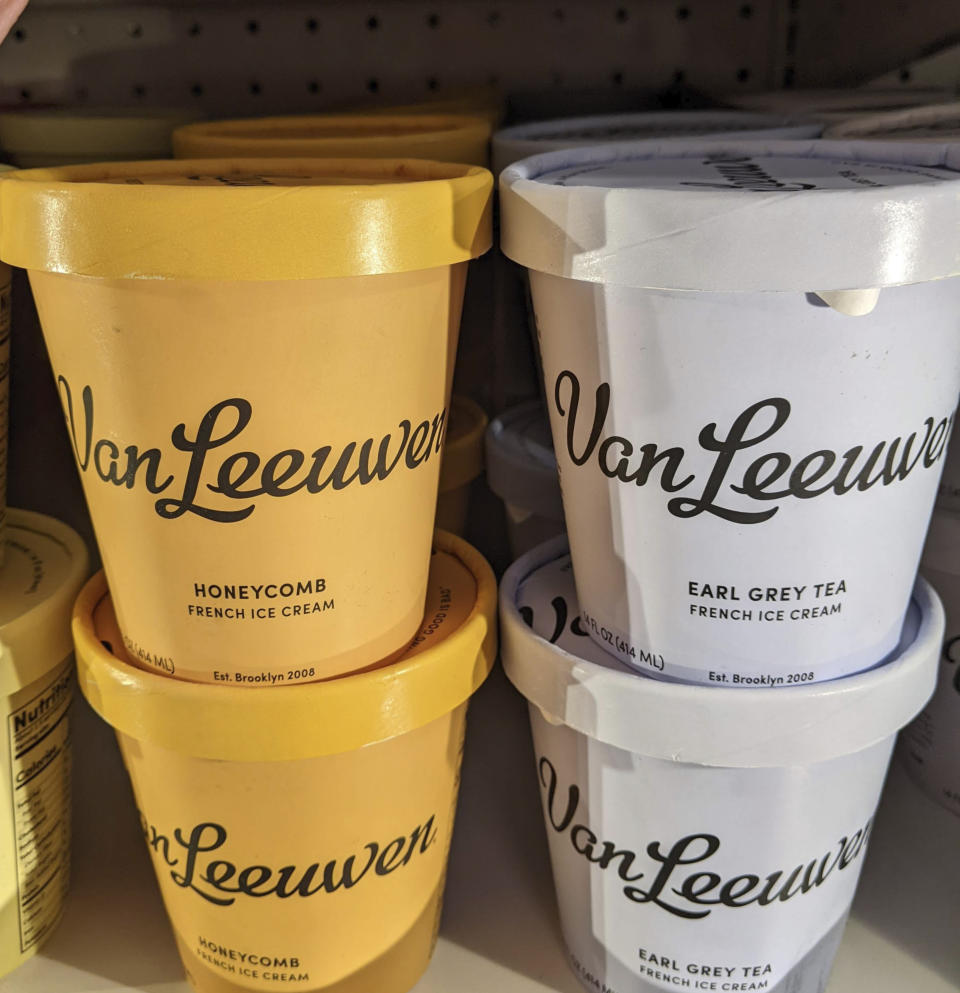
(930, 746)
(937, 122)
(522, 140)
(522, 471)
(700, 837)
(752, 360)
(840, 104)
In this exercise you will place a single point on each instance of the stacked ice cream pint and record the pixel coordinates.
(254, 359)
(751, 367)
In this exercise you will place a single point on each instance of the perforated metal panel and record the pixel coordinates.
(253, 57)
(848, 41)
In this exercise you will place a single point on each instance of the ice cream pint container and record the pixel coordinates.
(930, 746)
(6, 278)
(831, 106)
(474, 101)
(44, 568)
(523, 140)
(751, 363)
(937, 122)
(257, 411)
(461, 464)
(701, 836)
(441, 137)
(522, 471)
(300, 835)
(68, 136)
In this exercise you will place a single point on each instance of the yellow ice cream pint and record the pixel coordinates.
(477, 101)
(462, 463)
(300, 834)
(45, 566)
(6, 275)
(257, 398)
(441, 137)
(67, 136)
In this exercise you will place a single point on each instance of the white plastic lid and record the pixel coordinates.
(572, 681)
(521, 465)
(939, 122)
(942, 549)
(751, 216)
(522, 140)
(43, 569)
(840, 103)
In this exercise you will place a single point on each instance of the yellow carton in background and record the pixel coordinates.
(442, 137)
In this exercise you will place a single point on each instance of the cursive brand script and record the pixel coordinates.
(768, 478)
(240, 476)
(673, 885)
(740, 172)
(188, 855)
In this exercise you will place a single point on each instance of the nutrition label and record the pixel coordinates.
(39, 736)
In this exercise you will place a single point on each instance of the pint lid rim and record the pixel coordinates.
(729, 237)
(711, 725)
(399, 215)
(305, 720)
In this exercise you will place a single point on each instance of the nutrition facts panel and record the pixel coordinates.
(39, 734)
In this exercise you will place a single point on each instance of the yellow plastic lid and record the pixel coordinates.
(55, 136)
(463, 445)
(227, 219)
(44, 567)
(446, 662)
(478, 101)
(442, 137)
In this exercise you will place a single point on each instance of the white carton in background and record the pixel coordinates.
(841, 104)
(522, 471)
(937, 122)
(752, 366)
(930, 746)
(523, 140)
(700, 836)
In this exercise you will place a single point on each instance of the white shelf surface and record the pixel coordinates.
(500, 930)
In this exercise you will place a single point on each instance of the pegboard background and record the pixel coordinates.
(260, 57)
(253, 57)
